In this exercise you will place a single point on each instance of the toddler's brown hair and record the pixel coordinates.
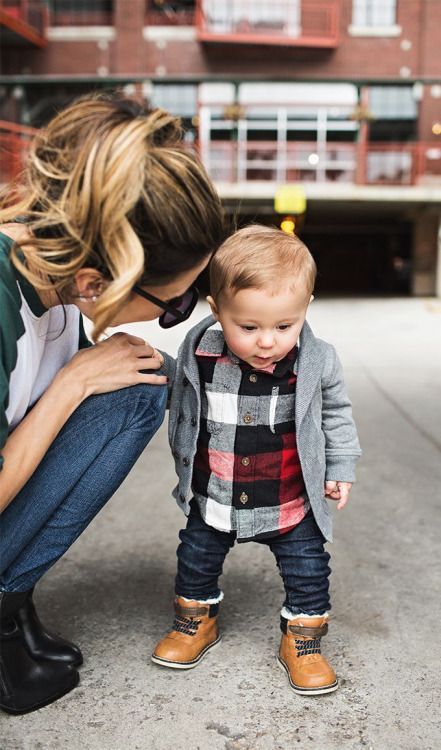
(258, 257)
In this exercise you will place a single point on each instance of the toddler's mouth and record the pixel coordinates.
(263, 359)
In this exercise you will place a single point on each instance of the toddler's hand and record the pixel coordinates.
(338, 491)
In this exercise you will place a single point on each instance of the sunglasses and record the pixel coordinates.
(176, 310)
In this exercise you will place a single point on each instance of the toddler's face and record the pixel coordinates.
(260, 326)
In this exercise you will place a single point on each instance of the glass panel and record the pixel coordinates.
(373, 13)
(253, 16)
(180, 100)
(84, 6)
(392, 102)
(393, 167)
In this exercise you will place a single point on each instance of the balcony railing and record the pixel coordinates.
(163, 13)
(331, 162)
(269, 161)
(24, 19)
(302, 23)
(81, 13)
(15, 141)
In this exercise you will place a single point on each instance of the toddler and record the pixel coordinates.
(262, 434)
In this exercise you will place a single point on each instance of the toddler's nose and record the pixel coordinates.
(266, 341)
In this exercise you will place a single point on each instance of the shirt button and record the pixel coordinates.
(253, 377)
(194, 421)
(185, 381)
(248, 418)
(245, 461)
(243, 498)
(186, 461)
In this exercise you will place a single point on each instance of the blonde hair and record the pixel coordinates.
(109, 186)
(261, 257)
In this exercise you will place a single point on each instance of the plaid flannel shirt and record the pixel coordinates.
(246, 460)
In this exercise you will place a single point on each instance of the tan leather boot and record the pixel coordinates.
(308, 671)
(194, 633)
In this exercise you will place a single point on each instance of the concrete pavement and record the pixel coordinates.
(112, 593)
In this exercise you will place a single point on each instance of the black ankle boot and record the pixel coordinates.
(40, 643)
(26, 684)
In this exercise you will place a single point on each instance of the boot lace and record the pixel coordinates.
(187, 625)
(305, 647)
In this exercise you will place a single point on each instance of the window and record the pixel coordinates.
(392, 103)
(80, 12)
(80, 6)
(374, 13)
(180, 100)
(395, 114)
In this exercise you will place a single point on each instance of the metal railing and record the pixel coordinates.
(26, 18)
(331, 162)
(280, 162)
(287, 22)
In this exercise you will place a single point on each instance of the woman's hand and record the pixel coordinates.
(114, 363)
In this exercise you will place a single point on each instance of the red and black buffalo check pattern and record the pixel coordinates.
(247, 476)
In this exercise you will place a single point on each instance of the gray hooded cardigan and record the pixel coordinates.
(326, 436)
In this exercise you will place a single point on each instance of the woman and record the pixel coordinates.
(116, 221)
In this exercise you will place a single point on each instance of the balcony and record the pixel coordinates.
(406, 164)
(15, 141)
(351, 163)
(294, 23)
(81, 12)
(23, 22)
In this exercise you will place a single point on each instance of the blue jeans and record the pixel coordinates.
(82, 469)
(300, 556)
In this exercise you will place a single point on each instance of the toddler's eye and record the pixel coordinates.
(284, 327)
(248, 328)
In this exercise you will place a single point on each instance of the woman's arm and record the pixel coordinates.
(110, 365)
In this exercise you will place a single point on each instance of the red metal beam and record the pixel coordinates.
(17, 17)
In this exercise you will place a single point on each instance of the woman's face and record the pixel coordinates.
(138, 309)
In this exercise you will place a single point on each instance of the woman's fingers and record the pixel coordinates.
(151, 379)
(135, 340)
(115, 363)
(148, 363)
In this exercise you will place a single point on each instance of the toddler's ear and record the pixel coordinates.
(213, 306)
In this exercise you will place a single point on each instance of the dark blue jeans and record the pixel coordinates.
(82, 469)
(300, 556)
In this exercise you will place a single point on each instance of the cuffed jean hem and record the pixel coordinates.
(289, 614)
(209, 600)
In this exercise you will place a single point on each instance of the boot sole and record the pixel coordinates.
(306, 691)
(186, 664)
(41, 704)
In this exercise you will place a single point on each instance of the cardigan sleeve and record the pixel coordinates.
(342, 447)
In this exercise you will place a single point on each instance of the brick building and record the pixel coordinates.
(341, 98)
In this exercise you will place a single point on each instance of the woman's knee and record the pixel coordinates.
(148, 404)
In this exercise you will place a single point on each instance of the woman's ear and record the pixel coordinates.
(213, 306)
(89, 283)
